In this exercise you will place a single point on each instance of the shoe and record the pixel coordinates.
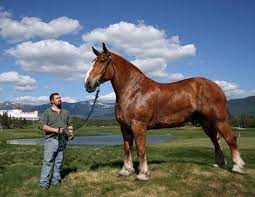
(44, 187)
(55, 183)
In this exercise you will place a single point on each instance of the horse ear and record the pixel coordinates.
(95, 51)
(105, 49)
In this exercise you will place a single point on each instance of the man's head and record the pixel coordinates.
(55, 99)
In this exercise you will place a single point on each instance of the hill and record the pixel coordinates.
(106, 110)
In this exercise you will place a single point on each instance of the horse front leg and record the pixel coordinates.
(139, 130)
(127, 168)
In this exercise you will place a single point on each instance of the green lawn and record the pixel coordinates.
(182, 167)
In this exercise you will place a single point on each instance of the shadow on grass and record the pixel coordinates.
(172, 156)
(67, 171)
(118, 164)
(115, 164)
(203, 157)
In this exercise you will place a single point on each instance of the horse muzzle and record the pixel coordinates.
(91, 86)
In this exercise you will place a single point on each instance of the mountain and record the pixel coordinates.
(11, 105)
(101, 110)
(106, 110)
(82, 108)
(243, 105)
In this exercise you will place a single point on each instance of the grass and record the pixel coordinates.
(182, 167)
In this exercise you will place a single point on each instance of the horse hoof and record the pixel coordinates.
(142, 177)
(237, 169)
(126, 172)
(218, 165)
(242, 163)
(215, 165)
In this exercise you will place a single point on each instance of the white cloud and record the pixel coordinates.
(107, 97)
(32, 100)
(54, 57)
(150, 48)
(110, 97)
(21, 82)
(38, 100)
(154, 67)
(233, 90)
(30, 27)
(227, 86)
(69, 99)
(146, 46)
(175, 76)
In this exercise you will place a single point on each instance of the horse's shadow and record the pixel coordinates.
(67, 171)
(118, 164)
(114, 164)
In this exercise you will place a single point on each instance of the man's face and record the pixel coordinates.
(56, 100)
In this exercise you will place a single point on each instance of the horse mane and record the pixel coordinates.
(125, 62)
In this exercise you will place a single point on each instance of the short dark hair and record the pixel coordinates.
(52, 95)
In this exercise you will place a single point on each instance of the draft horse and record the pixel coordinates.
(142, 104)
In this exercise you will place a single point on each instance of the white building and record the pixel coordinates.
(17, 113)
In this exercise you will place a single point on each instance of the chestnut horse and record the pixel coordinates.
(142, 104)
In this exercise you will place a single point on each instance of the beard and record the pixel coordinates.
(59, 105)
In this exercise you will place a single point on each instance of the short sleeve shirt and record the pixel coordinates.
(55, 119)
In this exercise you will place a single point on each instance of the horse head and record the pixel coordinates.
(100, 71)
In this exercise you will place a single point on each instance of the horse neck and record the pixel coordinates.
(125, 74)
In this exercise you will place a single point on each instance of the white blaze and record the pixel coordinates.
(87, 74)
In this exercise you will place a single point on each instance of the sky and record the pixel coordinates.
(45, 46)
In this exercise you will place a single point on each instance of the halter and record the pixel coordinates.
(109, 60)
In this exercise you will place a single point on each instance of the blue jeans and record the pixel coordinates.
(53, 160)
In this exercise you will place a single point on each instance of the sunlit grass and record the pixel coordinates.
(182, 167)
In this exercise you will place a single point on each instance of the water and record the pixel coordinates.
(100, 140)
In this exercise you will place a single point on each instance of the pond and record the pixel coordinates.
(99, 140)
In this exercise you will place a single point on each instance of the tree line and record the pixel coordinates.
(8, 122)
(242, 120)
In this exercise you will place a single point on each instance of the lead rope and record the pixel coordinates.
(91, 110)
(61, 138)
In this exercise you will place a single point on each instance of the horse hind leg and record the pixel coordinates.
(210, 130)
(224, 129)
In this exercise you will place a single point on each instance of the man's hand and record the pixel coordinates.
(71, 131)
(60, 130)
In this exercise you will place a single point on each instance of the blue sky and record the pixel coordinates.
(46, 45)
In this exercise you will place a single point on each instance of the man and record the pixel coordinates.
(57, 125)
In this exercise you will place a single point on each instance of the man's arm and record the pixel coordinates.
(51, 129)
(44, 124)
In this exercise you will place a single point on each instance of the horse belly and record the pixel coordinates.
(173, 112)
(171, 120)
